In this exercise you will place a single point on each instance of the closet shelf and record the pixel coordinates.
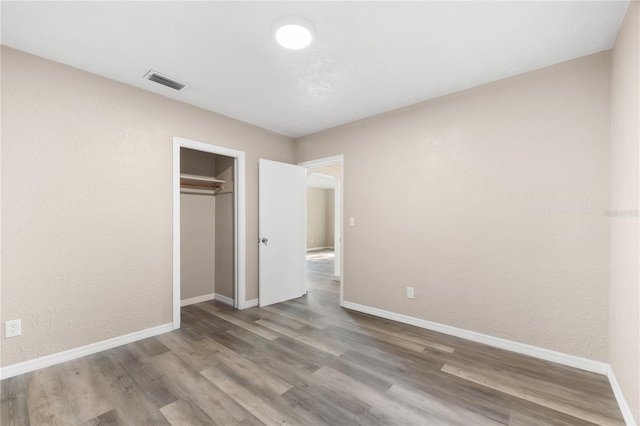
(200, 184)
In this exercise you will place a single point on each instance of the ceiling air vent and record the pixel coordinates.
(164, 80)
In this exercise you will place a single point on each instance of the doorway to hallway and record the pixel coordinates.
(324, 223)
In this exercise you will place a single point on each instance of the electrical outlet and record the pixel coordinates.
(12, 328)
(409, 292)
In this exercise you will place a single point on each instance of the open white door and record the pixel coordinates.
(281, 229)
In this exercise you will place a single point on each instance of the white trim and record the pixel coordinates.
(71, 354)
(622, 402)
(223, 299)
(322, 161)
(250, 303)
(176, 234)
(240, 230)
(339, 191)
(207, 297)
(240, 222)
(197, 299)
(521, 348)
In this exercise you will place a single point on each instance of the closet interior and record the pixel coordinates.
(206, 227)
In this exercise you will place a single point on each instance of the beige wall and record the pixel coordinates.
(490, 203)
(624, 321)
(197, 245)
(316, 218)
(87, 201)
(329, 206)
(197, 162)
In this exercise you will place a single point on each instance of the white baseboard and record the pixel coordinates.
(522, 348)
(622, 402)
(197, 299)
(534, 351)
(223, 299)
(248, 304)
(71, 354)
(205, 298)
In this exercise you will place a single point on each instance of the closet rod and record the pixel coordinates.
(214, 185)
(200, 184)
(197, 191)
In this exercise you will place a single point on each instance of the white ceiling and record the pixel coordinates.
(367, 57)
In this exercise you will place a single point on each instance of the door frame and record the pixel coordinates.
(339, 208)
(239, 232)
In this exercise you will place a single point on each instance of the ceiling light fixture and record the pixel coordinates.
(293, 33)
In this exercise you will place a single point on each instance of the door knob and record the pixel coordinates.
(264, 241)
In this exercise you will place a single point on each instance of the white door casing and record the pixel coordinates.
(281, 223)
(239, 222)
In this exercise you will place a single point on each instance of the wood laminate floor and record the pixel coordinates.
(306, 362)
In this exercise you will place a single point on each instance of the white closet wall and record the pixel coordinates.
(225, 277)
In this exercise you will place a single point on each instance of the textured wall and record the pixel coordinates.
(87, 201)
(624, 322)
(490, 203)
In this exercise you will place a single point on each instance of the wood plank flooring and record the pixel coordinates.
(305, 362)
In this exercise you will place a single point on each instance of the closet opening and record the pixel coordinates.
(208, 225)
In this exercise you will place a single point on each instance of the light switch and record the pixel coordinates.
(352, 221)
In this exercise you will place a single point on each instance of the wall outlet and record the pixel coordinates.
(12, 328)
(410, 293)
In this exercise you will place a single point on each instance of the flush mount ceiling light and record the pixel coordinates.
(293, 32)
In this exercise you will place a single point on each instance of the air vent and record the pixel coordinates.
(164, 80)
